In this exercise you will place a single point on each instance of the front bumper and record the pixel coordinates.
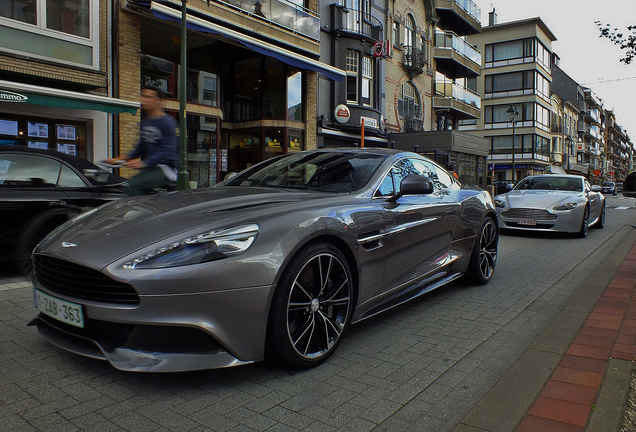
(568, 221)
(168, 333)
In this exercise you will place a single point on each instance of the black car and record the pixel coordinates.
(40, 190)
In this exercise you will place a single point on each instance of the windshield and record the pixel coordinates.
(322, 171)
(608, 184)
(551, 183)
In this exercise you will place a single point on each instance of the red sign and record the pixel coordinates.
(382, 48)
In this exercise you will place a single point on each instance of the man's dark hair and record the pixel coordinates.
(160, 93)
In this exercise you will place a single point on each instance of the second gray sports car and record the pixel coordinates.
(561, 203)
(273, 263)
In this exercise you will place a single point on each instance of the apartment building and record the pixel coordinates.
(252, 76)
(516, 96)
(354, 40)
(432, 81)
(56, 75)
(618, 149)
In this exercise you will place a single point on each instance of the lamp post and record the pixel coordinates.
(569, 142)
(512, 115)
(182, 176)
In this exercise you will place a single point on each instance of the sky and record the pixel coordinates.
(591, 61)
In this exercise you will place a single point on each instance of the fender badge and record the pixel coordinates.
(68, 244)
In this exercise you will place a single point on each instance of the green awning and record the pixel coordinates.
(52, 101)
(18, 93)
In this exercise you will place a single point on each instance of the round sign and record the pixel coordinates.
(342, 113)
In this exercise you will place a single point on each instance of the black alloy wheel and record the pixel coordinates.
(311, 307)
(484, 256)
(586, 217)
(600, 223)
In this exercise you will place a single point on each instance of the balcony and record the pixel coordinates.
(459, 100)
(592, 132)
(455, 57)
(414, 60)
(556, 129)
(462, 16)
(280, 12)
(592, 115)
(356, 22)
(592, 99)
(413, 125)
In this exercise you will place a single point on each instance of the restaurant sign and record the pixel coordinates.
(7, 96)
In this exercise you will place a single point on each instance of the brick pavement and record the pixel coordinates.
(566, 402)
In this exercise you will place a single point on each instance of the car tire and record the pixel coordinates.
(484, 255)
(586, 216)
(311, 308)
(36, 229)
(600, 223)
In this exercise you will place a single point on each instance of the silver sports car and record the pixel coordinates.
(564, 203)
(273, 263)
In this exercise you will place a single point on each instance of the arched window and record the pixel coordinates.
(409, 31)
(409, 102)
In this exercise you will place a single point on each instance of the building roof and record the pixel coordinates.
(537, 21)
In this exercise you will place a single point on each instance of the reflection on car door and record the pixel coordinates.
(593, 199)
(419, 227)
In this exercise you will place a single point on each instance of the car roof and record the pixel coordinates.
(76, 162)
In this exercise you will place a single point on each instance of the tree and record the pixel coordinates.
(626, 42)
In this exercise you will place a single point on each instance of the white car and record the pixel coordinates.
(561, 203)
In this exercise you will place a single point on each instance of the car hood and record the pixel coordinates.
(129, 224)
(537, 198)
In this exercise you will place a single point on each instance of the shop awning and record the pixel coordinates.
(282, 54)
(47, 96)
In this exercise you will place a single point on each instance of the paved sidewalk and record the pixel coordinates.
(575, 377)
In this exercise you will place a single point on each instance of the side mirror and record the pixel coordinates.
(596, 188)
(415, 184)
(509, 186)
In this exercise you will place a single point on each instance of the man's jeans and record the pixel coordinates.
(147, 180)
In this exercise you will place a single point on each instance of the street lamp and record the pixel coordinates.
(183, 176)
(569, 141)
(512, 115)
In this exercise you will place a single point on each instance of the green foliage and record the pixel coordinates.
(626, 42)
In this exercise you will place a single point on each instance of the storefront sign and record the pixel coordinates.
(7, 96)
(342, 113)
(369, 122)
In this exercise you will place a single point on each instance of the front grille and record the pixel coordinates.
(77, 281)
(526, 213)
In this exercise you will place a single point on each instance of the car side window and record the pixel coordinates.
(587, 186)
(441, 180)
(28, 171)
(386, 187)
(68, 179)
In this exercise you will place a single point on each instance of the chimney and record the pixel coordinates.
(492, 17)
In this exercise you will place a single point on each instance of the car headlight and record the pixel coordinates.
(565, 206)
(205, 247)
(500, 203)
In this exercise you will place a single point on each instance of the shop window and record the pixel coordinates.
(274, 138)
(295, 141)
(295, 95)
(274, 88)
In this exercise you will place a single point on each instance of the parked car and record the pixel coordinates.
(608, 188)
(275, 262)
(563, 203)
(40, 190)
(619, 187)
(629, 185)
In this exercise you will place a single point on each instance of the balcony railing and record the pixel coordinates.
(457, 92)
(412, 124)
(470, 7)
(414, 59)
(295, 18)
(356, 21)
(450, 40)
